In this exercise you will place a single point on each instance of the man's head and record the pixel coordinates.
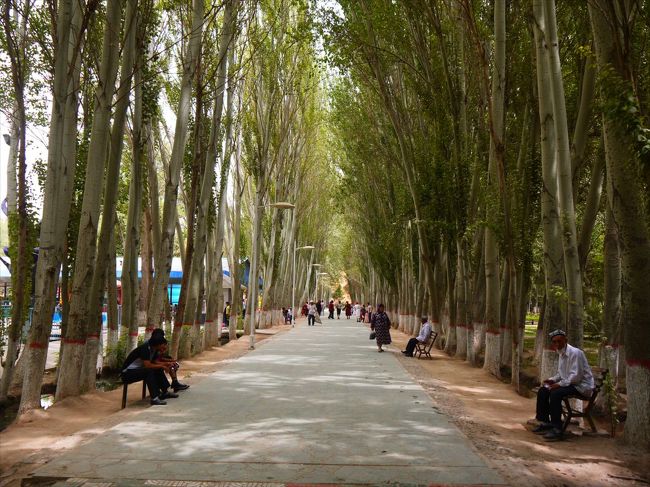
(157, 342)
(558, 339)
(158, 332)
(227, 303)
(424, 319)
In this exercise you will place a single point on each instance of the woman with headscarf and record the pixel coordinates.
(380, 324)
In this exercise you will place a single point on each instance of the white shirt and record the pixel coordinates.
(425, 333)
(573, 368)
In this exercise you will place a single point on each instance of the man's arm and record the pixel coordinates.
(148, 364)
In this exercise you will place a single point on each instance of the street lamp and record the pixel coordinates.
(253, 286)
(293, 280)
(318, 274)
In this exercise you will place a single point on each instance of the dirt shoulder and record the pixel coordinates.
(38, 436)
(494, 418)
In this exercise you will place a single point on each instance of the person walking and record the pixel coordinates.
(380, 324)
(319, 307)
(311, 314)
(330, 308)
(348, 310)
(338, 310)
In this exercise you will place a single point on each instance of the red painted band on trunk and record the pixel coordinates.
(503, 327)
(41, 346)
(209, 321)
(94, 335)
(492, 332)
(149, 329)
(134, 334)
(186, 324)
(177, 325)
(640, 362)
(74, 341)
(452, 326)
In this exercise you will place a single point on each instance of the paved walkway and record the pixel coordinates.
(314, 405)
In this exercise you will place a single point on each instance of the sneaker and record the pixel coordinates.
(554, 435)
(542, 428)
(179, 387)
(168, 395)
(156, 401)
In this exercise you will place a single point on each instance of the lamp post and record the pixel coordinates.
(317, 275)
(253, 278)
(293, 280)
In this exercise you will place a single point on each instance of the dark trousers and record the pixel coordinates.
(331, 315)
(154, 378)
(310, 320)
(549, 403)
(410, 346)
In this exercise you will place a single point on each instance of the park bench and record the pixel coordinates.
(425, 348)
(125, 387)
(568, 412)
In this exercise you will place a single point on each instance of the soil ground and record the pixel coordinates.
(486, 410)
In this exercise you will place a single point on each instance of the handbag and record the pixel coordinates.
(373, 335)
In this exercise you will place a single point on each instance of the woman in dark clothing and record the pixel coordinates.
(348, 310)
(380, 324)
(330, 308)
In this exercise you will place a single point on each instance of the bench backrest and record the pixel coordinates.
(432, 339)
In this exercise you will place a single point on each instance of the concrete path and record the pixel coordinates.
(314, 405)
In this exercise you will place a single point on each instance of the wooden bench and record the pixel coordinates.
(425, 348)
(125, 387)
(569, 413)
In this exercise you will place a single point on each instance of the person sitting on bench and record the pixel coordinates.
(423, 337)
(163, 357)
(573, 377)
(140, 365)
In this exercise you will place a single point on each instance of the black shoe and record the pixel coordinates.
(156, 401)
(179, 387)
(168, 395)
(542, 428)
(554, 435)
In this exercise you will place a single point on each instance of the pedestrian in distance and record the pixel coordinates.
(380, 324)
(573, 377)
(311, 314)
(338, 310)
(348, 310)
(319, 307)
(330, 308)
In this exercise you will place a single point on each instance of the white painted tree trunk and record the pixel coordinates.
(572, 270)
(57, 197)
(78, 330)
(163, 268)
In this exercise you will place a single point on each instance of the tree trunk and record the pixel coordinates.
(77, 330)
(19, 230)
(565, 184)
(626, 196)
(163, 269)
(132, 241)
(57, 196)
(554, 316)
(201, 237)
(103, 254)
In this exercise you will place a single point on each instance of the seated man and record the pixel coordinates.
(163, 357)
(140, 365)
(423, 337)
(573, 377)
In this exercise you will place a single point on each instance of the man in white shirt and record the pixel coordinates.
(311, 314)
(573, 377)
(423, 337)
